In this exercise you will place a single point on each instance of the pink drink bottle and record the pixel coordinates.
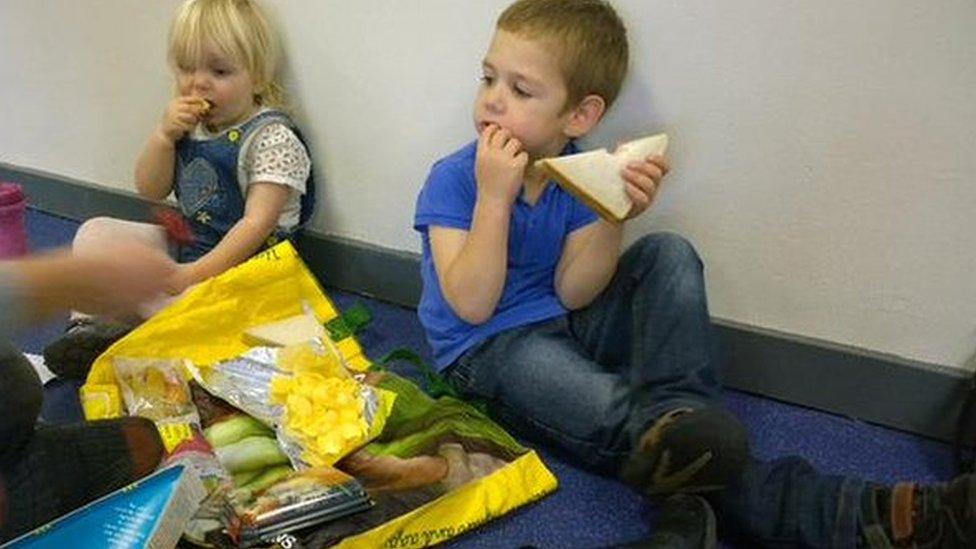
(13, 228)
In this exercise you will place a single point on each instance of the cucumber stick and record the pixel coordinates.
(251, 454)
(268, 477)
(235, 429)
(242, 478)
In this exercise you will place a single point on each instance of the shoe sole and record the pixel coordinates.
(72, 356)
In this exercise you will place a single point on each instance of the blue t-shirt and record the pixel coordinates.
(535, 244)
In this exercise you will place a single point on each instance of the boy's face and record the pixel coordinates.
(523, 91)
(217, 78)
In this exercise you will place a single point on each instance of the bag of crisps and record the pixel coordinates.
(157, 389)
(319, 410)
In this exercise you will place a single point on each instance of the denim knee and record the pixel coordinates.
(666, 262)
(668, 249)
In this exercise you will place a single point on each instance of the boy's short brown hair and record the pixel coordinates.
(591, 37)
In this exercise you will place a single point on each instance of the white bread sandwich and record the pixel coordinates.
(594, 176)
(290, 331)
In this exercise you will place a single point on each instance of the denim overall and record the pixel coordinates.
(209, 193)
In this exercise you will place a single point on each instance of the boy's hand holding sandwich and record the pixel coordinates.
(619, 185)
(643, 181)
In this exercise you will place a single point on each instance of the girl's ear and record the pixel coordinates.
(584, 116)
(258, 92)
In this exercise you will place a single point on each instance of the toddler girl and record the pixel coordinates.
(235, 161)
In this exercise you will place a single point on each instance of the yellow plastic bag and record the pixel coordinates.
(419, 427)
(305, 392)
(205, 326)
(521, 482)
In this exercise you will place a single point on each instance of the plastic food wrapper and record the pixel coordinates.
(269, 497)
(246, 447)
(319, 410)
(156, 389)
(310, 497)
(100, 400)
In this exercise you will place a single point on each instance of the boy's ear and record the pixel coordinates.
(585, 115)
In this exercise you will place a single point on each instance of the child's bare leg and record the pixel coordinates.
(99, 233)
(72, 355)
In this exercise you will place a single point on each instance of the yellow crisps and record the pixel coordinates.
(298, 406)
(302, 358)
(323, 413)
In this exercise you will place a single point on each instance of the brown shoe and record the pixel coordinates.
(942, 515)
(688, 450)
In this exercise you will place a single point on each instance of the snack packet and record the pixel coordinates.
(156, 389)
(246, 447)
(307, 498)
(319, 411)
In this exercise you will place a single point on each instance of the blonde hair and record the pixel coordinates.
(240, 31)
(591, 38)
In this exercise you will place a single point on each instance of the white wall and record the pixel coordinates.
(823, 152)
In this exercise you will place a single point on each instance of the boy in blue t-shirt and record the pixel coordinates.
(529, 305)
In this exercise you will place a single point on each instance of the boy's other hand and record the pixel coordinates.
(500, 165)
(643, 181)
(182, 114)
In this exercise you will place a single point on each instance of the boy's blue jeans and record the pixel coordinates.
(593, 382)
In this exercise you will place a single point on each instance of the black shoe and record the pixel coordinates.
(73, 354)
(64, 467)
(685, 522)
(689, 450)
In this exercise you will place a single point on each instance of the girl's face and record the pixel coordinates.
(222, 81)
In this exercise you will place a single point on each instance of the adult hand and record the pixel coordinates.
(120, 277)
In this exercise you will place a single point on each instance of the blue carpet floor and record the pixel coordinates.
(589, 510)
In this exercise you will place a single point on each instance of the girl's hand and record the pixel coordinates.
(643, 181)
(181, 279)
(182, 114)
(500, 165)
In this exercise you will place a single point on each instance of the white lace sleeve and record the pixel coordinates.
(276, 155)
